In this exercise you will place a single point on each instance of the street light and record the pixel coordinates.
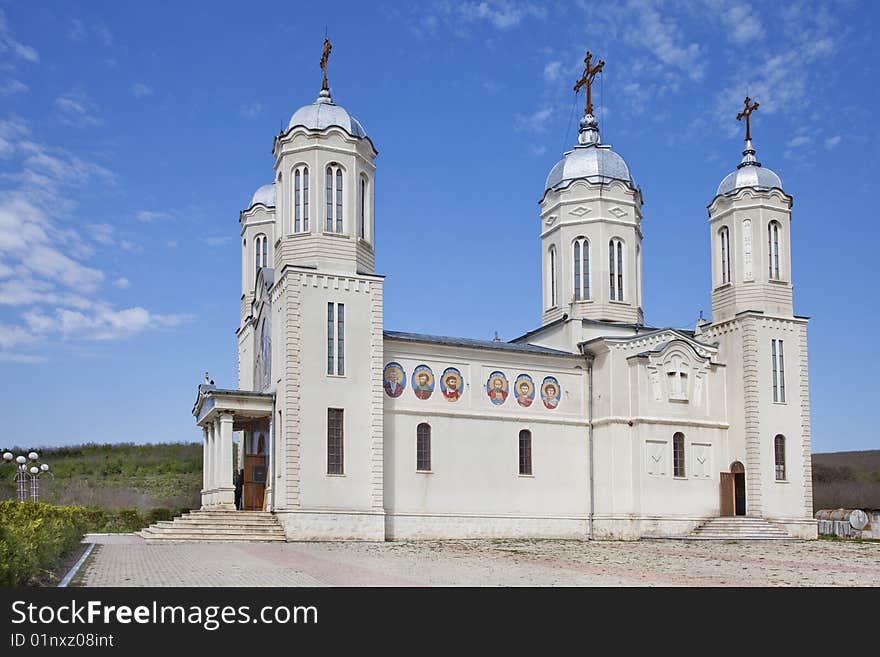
(24, 473)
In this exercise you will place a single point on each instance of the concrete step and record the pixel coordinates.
(217, 526)
(739, 529)
(214, 530)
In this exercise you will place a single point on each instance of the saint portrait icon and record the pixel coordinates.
(550, 391)
(524, 389)
(451, 383)
(393, 379)
(423, 382)
(497, 388)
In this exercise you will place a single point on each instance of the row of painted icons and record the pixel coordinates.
(452, 384)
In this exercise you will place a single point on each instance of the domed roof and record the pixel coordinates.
(589, 160)
(749, 173)
(324, 113)
(264, 195)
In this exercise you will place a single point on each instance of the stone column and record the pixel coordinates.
(225, 487)
(205, 466)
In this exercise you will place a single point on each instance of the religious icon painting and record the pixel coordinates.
(451, 383)
(393, 379)
(497, 388)
(550, 392)
(423, 382)
(524, 389)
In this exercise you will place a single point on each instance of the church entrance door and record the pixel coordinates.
(254, 482)
(733, 490)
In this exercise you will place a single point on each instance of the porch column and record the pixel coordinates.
(225, 487)
(206, 466)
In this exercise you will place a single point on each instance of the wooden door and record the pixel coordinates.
(728, 484)
(254, 485)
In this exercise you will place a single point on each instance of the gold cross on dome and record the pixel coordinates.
(587, 80)
(325, 57)
(747, 113)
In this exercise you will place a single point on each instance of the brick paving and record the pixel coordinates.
(127, 560)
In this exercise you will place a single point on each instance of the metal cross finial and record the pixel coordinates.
(325, 56)
(747, 113)
(587, 80)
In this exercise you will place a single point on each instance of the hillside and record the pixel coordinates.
(846, 480)
(117, 476)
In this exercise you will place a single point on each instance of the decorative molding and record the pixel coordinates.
(618, 212)
(580, 211)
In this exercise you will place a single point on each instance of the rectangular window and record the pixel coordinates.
(779, 452)
(423, 447)
(329, 179)
(611, 267)
(336, 338)
(362, 217)
(525, 452)
(338, 201)
(296, 200)
(678, 455)
(334, 441)
(777, 361)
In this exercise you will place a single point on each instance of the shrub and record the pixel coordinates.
(35, 537)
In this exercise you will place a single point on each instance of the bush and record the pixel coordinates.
(35, 537)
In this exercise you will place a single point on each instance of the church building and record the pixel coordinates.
(594, 425)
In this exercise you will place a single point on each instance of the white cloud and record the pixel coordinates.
(10, 44)
(122, 283)
(215, 240)
(251, 111)
(502, 14)
(832, 142)
(743, 26)
(13, 87)
(536, 122)
(800, 140)
(551, 71)
(151, 215)
(77, 30)
(141, 89)
(102, 233)
(14, 336)
(77, 109)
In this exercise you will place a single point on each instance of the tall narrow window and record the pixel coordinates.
(301, 199)
(261, 253)
(777, 358)
(581, 264)
(328, 224)
(551, 277)
(773, 230)
(615, 269)
(724, 235)
(678, 455)
(423, 447)
(779, 456)
(335, 441)
(336, 338)
(333, 194)
(362, 209)
(525, 452)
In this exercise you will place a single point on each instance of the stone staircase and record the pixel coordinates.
(216, 526)
(739, 528)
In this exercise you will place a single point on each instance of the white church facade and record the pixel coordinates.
(593, 425)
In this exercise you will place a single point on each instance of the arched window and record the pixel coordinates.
(301, 199)
(423, 447)
(773, 236)
(581, 265)
(525, 452)
(362, 209)
(779, 456)
(615, 268)
(333, 190)
(261, 254)
(551, 277)
(724, 238)
(678, 455)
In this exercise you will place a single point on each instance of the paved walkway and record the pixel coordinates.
(127, 560)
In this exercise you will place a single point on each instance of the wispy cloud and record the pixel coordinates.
(832, 142)
(152, 215)
(536, 122)
(10, 44)
(77, 109)
(743, 25)
(551, 71)
(141, 89)
(11, 87)
(216, 240)
(251, 110)
(122, 283)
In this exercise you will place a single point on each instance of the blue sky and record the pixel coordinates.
(132, 134)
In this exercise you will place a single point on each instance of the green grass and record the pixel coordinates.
(116, 476)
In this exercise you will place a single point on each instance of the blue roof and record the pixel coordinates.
(476, 344)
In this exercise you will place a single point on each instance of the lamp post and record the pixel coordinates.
(26, 472)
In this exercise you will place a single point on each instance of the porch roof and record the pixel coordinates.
(246, 406)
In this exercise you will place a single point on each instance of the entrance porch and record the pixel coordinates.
(220, 413)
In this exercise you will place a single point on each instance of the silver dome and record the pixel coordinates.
(324, 113)
(749, 173)
(589, 160)
(264, 195)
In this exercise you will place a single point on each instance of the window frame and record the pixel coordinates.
(581, 268)
(774, 249)
(335, 443)
(423, 447)
(777, 364)
(334, 206)
(679, 456)
(779, 464)
(335, 339)
(724, 237)
(526, 465)
(301, 199)
(615, 269)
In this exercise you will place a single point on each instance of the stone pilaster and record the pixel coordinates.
(806, 436)
(751, 408)
(225, 487)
